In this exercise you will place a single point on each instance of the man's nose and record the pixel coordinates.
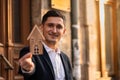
(54, 29)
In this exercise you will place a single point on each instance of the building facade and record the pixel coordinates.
(96, 32)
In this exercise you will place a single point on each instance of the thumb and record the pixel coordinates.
(29, 55)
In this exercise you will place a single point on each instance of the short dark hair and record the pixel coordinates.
(52, 13)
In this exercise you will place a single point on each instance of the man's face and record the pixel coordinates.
(53, 29)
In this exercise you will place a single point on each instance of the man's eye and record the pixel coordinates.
(50, 25)
(59, 27)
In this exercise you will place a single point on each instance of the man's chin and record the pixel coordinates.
(53, 41)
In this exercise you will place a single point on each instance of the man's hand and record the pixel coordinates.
(26, 62)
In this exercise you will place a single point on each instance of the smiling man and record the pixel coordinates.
(53, 64)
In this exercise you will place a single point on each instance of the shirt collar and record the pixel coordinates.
(48, 49)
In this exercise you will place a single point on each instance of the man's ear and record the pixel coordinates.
(64, 31)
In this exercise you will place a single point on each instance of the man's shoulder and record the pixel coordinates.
(64, 54)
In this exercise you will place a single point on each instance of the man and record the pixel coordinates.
(52, 64)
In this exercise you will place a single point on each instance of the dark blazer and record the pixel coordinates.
(43, 67)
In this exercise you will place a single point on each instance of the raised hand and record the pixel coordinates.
(26, 62)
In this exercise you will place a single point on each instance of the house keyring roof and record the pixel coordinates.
(35, 31)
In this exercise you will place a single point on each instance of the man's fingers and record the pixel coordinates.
(26, 59)
(26, 62)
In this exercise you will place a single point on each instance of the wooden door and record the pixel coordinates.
(4, 63)
(19, 29)
(14, 29)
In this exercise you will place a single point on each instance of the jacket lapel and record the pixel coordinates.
(48, 61)
(64, 65)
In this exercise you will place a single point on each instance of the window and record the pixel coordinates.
(109, 38)
(16, 21)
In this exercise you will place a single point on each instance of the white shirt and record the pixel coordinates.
(56, 62)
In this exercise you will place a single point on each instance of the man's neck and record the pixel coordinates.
(52, 45)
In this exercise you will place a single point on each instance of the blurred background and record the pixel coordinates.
(92, 40)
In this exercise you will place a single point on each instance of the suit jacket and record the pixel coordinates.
(43, 67)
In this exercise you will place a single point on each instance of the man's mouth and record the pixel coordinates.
(53, 35)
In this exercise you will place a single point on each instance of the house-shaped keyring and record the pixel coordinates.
(35, 38)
